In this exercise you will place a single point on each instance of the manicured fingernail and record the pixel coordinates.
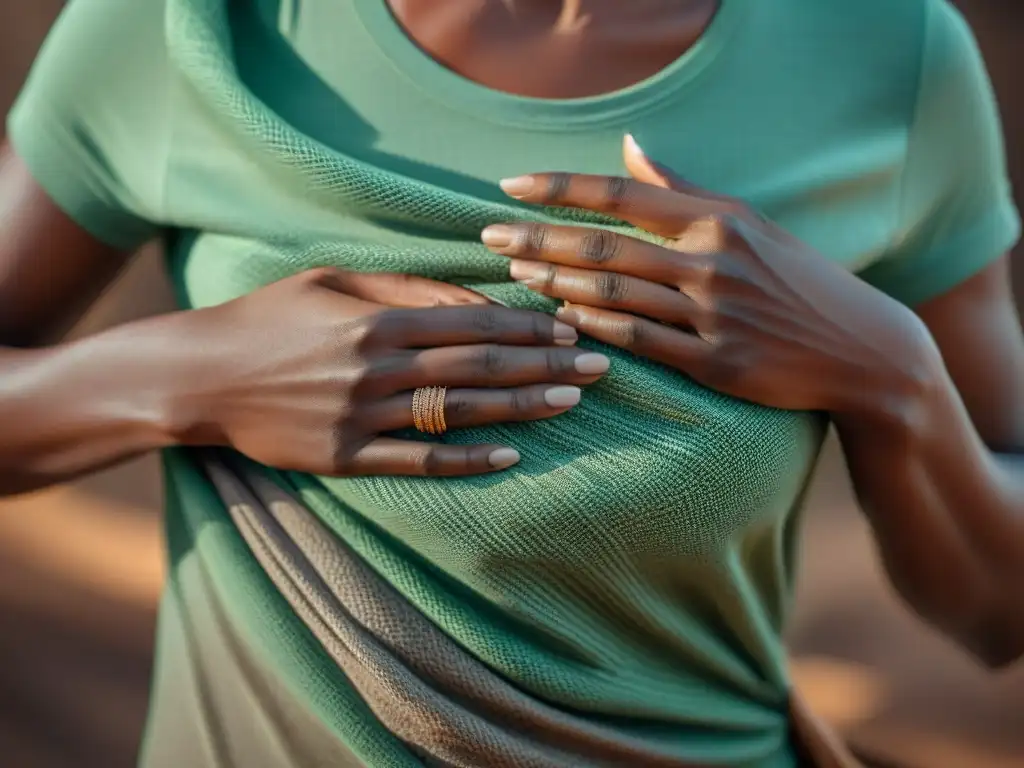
(632, 146)
(563, 397)
(520, 186)
(566, 313)
(526, 271)
(497, 236)
(565, 335)
(503, 458)
(592, 363)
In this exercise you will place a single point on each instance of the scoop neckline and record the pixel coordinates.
(483, 102)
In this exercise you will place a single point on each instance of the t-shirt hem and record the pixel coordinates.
(918, 280)
(48, 161)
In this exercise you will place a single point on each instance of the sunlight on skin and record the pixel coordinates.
(842, 692)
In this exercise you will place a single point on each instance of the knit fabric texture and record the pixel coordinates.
(627, 584)
(635, 565)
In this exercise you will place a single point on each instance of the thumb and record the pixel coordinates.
(407, 291)
(643, 169)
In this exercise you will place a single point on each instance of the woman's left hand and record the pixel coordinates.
(729, 298)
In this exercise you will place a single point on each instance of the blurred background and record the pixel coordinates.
(81, 566)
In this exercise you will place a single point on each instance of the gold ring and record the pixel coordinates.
(428, 410)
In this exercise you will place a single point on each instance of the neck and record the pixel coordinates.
(557, 15)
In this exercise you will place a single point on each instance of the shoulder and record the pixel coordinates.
(92, 119)
(866, 56)
(895, 33)
(898, 53)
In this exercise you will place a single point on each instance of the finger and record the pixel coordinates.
(475, 407)
(642, 337)
(642, 168)
(493, 365)
(396, 290)
(645, 170)
(662, 211)
(609, 290)
(388, 456)
(587, 247)
(449, 326)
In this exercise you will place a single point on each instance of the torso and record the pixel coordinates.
(636, 568)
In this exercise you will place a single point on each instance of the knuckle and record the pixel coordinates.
(362, 333)
(617, 192)
(340, 459)
(362, 376)
(557, 187)
(701, 273)
(540, 327)
(535, 237)
(485, 319)
(458, 406)
(376, 374)
(632, 333)
(491, 360)
(387, 324)
(728, 224)
(719, 223)
(428, 463)
(518, 401)
(706, 318)
(599, 246)
(549, 279)
(611, 287)
(558, 362)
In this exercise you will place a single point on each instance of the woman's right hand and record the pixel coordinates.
(308, 373)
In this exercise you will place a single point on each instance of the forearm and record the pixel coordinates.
(948, 515)
(77, 407)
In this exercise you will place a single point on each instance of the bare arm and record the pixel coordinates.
(303, 374)
(74, 407)
(943, 484)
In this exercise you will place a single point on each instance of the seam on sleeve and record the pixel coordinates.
(171, 126)
(911, 123)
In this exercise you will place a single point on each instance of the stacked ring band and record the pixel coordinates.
(428, 410)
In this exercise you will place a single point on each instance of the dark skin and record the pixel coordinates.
(929, 404)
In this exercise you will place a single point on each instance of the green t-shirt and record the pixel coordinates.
(634, 570)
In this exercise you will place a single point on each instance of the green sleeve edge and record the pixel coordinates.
(49, 161)
(916, 280)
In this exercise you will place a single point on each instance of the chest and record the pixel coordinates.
(825, 168)
(554, 50)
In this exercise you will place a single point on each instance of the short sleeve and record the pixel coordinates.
(956, 208)
(91, 122)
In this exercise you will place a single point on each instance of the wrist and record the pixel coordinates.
(192, 370)
(897, 394)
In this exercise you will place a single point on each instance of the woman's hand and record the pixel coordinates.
(307, 373)
(728, 298)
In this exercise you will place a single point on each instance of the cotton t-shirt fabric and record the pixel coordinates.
(634, 571)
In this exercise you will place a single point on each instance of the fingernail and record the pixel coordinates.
(592, 363)
(563, 397)
(632, 146)
(520, 186)
(567, 313)
(497, 236)
(526, 271)
(565, 335)
(503, 458)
